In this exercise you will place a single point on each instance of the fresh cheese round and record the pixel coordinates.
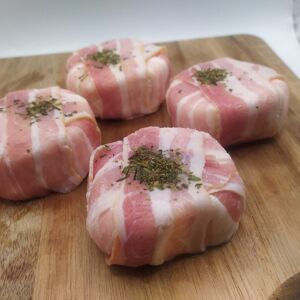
(161, 192)
(121, 79)
(46, 139)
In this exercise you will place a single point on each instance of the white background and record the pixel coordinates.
(39, 26)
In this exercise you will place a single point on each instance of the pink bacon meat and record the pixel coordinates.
(250, 103)
(133, 85)
(135, 226)
(47, 153)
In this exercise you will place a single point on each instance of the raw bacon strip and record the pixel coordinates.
(140, 228)
(183, 234)
(10, 187)
(249, 103)
(8, 183)
(133, 86)
(59, 177)
(139, 222)
(19, 145)
(88, 90)
(134, 226)
(105, 79)
(81, 128)
(48, 151)
(134, 71)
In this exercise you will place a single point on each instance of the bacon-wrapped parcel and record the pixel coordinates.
(46, 139)
(121, 79)
(162, 192)
(234, 101)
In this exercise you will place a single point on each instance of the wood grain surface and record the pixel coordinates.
(46, 253)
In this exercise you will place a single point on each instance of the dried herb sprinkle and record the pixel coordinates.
(210, 75)
(105, 57)
(70, 114)
(36, 109)
(159, 169)
(83, 76)
(107, 147)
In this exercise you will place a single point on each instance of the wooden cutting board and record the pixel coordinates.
(46, 253)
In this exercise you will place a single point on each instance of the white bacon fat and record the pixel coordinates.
(48, 154)
(134, 226)
(133, 87)
(250, 104)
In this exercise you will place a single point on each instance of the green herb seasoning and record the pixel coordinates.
(106, 147)
(210, 75)
(36, 109)
(70, 114)
(105, 57)
(159, 169)
(83, 76)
